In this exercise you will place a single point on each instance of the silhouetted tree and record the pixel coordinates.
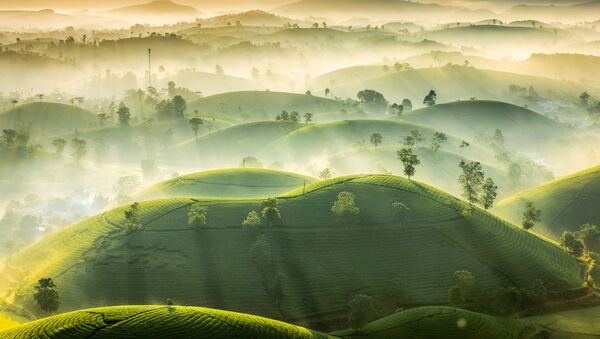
(430, 98)
(531, 215)
(409, 161)
(376, 139)
(46, 295)
(79, 147)
(490, 192)
(124, 115)
(59, 145)
(471, 180)
(571, 244)
(362, 311)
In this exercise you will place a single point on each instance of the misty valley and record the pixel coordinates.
(311, 169)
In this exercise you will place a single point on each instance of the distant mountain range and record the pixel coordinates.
(158, 8)
(380, 9)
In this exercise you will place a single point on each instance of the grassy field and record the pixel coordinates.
(6, 322)
(227, 183)
(263, 105)
(445, 322)
(566, 203)
(320, 262)
(157, 322)
(47, 117)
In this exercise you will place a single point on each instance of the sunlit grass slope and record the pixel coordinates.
(227, 147)
(450, 83)
(580, 323)
(157, 322)
(446, 322)
(47, 117)
(335, 137)
(566, 203)
(263, 105)
(439, 169)
(227, 183)
(320, 261)
(6, 322)
(521, 127)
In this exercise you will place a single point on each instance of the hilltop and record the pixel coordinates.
(445, 322)
(47, 117)
(522, 128)
(566, 203)
(310, 264)
(158, 321)
(263, 105)
(157, 8)
(227, 183)
(450, 82)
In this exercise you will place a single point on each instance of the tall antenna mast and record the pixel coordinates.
(149, 67)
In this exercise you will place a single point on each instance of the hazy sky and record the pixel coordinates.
(106, 4)
(224, 4)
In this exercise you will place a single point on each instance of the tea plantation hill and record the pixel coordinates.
(227, 183)
(334, 137)
(316, 262)
(47, 117)
(450, 83)
(523, 129)
(566, 203)
(439, 169)
(197, 322)
(227, 147)
(263, 105)
(157, 322)
(445, 322)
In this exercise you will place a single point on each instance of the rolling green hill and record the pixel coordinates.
(522, 129)
(47, 117)
(566, 203)
(440, 169)
(572, 323)
(305, 268)
(445, 322)
(227, 147)
(158, 322)
(263, 105)
(227, 183)
(330, 138)
(450, 82)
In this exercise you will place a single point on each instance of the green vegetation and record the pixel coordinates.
(47, 118)
(157, 321)
(444, 322)
(226, 183)
(102, 260)
(566, 203)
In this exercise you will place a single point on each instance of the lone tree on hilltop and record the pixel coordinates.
(490, 192)
(325, 174)
(409, 161)
(345, 209)
(471, 180)
(531, 215)
(376, 139)
(132, 223)
(430, 98)
(46, 295)
(197, 214)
